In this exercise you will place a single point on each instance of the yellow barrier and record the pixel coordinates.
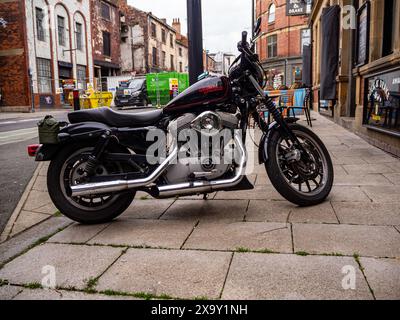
(93, 100)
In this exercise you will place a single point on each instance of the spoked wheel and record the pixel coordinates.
(304, 182)
(66, 170)
(72, 173)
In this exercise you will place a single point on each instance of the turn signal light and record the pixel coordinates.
(32, 149)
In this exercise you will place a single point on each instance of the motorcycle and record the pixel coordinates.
(101, 158)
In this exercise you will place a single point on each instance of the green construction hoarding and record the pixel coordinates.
(163, 87)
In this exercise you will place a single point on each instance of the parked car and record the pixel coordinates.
(131, 93)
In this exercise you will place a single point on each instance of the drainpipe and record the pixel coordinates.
(350, 109)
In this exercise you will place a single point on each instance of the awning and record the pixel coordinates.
(330, 51)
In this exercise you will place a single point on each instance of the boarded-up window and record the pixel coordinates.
(106, 44)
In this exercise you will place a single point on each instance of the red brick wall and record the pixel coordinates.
(113, 27)
(288, 45)
(13, 69)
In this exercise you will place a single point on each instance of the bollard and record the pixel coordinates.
(76, 100)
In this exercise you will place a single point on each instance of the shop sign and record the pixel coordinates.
(362, 34)
(298, 7)
(174, 87)
(68, 84)
(382, 103)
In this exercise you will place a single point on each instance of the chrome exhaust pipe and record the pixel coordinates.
(199, 187)
(121, 185)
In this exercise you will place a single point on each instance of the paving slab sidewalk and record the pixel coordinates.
(239, 245)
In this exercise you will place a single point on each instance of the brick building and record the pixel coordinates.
(285, 31)
(106, 35)
(150, 44)
(49, 38)
(208, 62)
(14, 80)
(223, 61)
(182, 48)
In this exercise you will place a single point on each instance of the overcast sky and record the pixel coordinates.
(223, 20)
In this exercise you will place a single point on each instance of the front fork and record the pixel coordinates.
(283, 126)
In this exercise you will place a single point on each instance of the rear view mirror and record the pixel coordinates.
(257, 27)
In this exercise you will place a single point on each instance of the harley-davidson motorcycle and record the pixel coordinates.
(100, 160)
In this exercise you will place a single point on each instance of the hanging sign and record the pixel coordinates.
(298, 7)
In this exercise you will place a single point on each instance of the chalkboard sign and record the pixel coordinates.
(362, 34)
(298, 7)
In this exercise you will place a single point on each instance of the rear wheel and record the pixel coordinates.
(66, 169)
(304, 183)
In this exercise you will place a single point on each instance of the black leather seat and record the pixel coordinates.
(116, 119)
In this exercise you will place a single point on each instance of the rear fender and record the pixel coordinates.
(70, 134)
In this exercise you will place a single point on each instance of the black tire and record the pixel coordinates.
(283, 186)
(116, 206)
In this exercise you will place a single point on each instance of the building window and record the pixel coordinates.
(105, 11)
(81, 75)
(272, 46)
(180, 67)
(172, 62)
(271, 13)
(79, 43)
(44, 75)
(61, 30)
(382, 102)
(389, 31)
(106, 44)
(163, 36)
(180, 52)
(39, 24)
(153, 30)
(171, 40)
(155, 60)
(164, 58)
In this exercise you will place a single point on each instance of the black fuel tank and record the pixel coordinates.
(211, 90)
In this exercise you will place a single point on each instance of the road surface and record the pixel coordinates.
(16, 168)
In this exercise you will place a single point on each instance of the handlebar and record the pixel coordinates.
(244, 37)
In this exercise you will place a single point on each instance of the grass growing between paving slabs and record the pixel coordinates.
(33, 245)
(356, 257)
(247, 250)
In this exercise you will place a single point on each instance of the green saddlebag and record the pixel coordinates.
(49, 128)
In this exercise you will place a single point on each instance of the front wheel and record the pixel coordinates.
(301, 182)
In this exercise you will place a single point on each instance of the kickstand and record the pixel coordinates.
(205, 196)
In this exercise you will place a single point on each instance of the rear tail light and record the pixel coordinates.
(32, 149)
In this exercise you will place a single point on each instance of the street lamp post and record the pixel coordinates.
(195, 37)
(31, 86)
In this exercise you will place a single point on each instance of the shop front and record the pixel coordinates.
(381, 102)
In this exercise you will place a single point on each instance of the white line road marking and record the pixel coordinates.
(19, 121)
(18, 135)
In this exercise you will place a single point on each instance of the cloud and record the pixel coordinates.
(223, 20)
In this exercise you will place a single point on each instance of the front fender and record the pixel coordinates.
(266, 138)
(263, 145)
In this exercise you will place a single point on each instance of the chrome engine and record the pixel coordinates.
(199, 157)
